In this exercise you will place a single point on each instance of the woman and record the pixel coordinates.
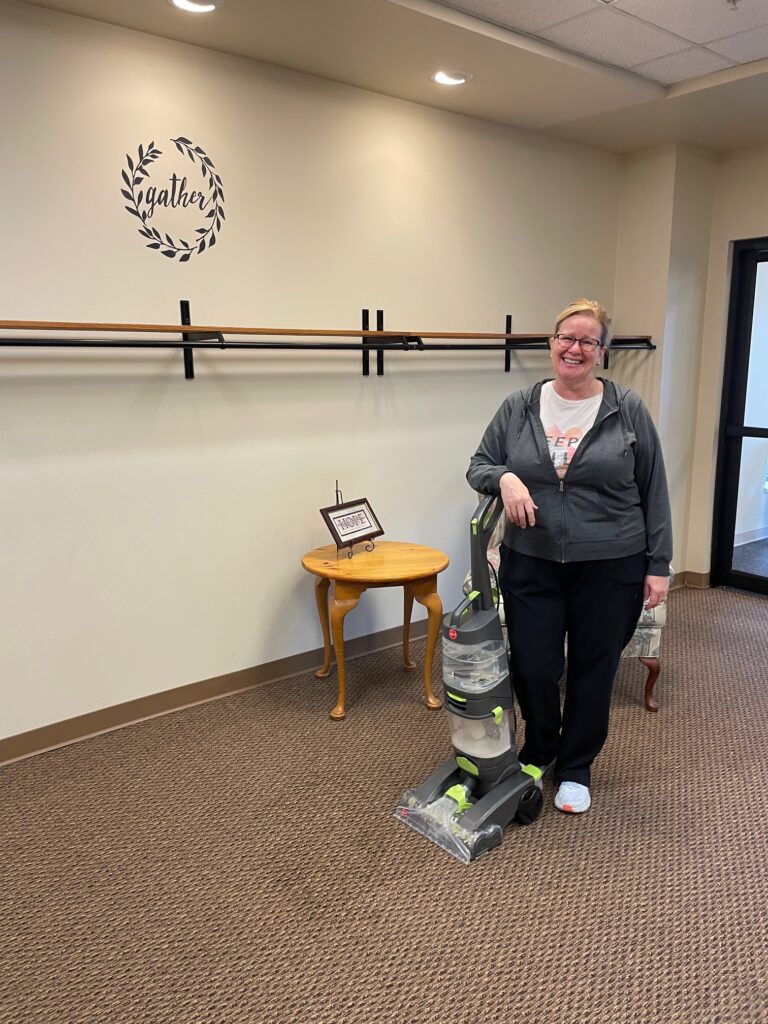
(579, 468)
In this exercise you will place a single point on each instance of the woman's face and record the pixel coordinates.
(573, 365)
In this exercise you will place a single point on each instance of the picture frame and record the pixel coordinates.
(351, 522)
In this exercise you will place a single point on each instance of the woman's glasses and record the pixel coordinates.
(585, 344)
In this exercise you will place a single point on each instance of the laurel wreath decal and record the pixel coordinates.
(141, 205)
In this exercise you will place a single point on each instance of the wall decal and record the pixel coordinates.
(151, 200)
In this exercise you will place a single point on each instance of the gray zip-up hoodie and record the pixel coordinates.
(613, 501)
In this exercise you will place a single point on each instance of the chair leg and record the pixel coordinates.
(654, 668)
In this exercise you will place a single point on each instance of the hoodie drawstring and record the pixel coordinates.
(626, 425)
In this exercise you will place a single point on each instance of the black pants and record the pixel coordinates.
(597, 604)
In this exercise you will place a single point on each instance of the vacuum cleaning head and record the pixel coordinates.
(437, 821)
(448, 810)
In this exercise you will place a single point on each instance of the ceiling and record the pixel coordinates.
(623, 75)
(665, 40)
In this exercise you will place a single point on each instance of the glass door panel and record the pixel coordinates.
(750, 541)
(756, 406)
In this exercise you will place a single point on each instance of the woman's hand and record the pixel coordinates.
(518, 503)
(655, 590)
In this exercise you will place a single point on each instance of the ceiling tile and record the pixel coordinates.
(523, 15)
(699, 20)
(744, 47)
(678, 67)
(611, 37)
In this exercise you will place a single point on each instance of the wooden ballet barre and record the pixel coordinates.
(56, 325)
(213, 337)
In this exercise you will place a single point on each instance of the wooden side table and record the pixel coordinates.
(390, 564)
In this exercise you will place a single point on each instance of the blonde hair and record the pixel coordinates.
(588, 307)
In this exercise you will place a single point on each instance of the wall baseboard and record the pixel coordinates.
(94, 723)
(83, 727)
(688, 578)
(700, 580)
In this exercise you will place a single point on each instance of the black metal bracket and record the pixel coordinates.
(413, 341)
(189, 361)
(193, 336)
(379, 351)
(628, 344)
(366, 342)
(508, 344)
(403, 342)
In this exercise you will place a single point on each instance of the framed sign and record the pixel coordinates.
(351, 522)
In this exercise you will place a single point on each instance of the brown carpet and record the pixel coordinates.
(239, 862)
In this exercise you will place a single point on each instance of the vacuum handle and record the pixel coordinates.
(458, 613)
(482, 525)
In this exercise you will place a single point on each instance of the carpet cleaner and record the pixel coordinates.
(466, 803)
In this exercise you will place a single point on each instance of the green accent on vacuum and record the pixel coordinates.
(473, 524)
(533, 770)
(455, 696)
(498, 715)
(467, 765)
(473, 595)
(457, 793)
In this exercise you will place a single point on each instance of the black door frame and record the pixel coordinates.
(746, 256)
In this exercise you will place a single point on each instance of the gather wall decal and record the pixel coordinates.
(191, 205)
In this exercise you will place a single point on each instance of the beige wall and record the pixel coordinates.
(646, 211)
(662, 261)
(152, 527)
(695, 181)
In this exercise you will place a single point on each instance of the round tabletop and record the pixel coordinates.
(391, 561)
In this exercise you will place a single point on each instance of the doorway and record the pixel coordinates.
(740, 534)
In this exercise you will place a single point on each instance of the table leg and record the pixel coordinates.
(407, 609)
(345, 597)
(425, 592)
(321, 597)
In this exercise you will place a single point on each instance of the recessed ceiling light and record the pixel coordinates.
(453, 77)
(196, 6)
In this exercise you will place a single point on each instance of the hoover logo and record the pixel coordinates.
(165, 198)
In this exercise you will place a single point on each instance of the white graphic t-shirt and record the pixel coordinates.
(565, 423)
